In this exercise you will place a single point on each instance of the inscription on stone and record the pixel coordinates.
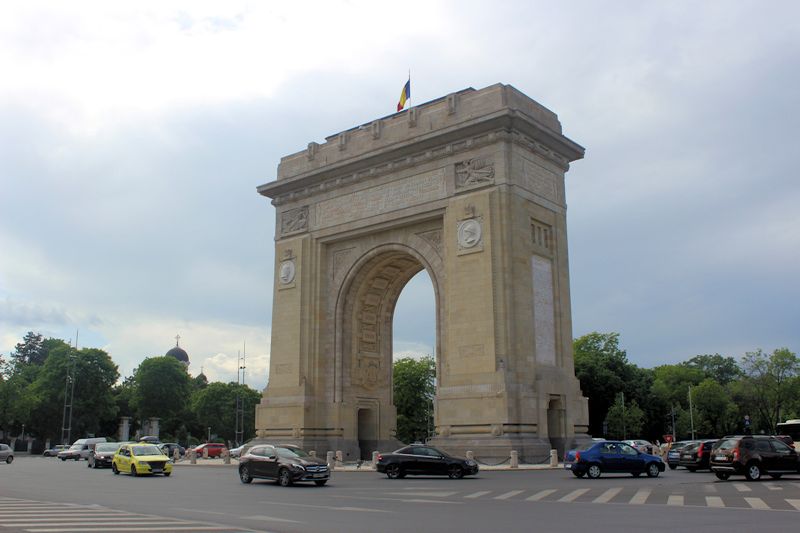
(382, 199)
(544, 326)
(539, 180)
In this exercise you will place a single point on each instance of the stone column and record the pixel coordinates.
(154, 426)
(124, 432)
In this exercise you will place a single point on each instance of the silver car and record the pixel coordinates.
(6, 453)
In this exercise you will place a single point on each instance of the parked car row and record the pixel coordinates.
(749, 455)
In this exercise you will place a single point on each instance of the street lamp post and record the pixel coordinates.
(209, 434)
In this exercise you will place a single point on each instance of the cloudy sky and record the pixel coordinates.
(133, 136)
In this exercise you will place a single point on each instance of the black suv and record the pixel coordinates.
(752, 456)
(286, 464)
(696, 455)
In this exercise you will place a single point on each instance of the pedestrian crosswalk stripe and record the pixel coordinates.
(640, 497)
(675, 499)
(708, 487)
(478, 494)
(572, 496)
(741, 487)
(508, 494)
(794, 503)
(756, 503)
(607, 495)
(772, 486)
(167, 528)
(541, 494)
(714, 501)
(71, 523)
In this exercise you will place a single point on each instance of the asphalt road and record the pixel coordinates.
(44, 495)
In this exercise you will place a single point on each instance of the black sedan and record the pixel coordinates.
(674, 453)
(424, 461)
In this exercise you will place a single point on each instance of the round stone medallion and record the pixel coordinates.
(287, 272)
(469, 233)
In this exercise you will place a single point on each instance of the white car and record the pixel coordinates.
(641, 445)
(237, 452)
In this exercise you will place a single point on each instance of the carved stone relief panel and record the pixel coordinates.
(474, 172)
(434, 237)
(539, 180)
(469, 235)
(294, 220)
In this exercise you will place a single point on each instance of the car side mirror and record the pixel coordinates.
(271, 457)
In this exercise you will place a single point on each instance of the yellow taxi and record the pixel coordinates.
(141, 458)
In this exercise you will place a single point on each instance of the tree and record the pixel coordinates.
(772, 384)
(671, 383)
(624, 419)
(604, 371)
(30, 351)
(161, 388)
(716, 414)
(413, 397)
(721, 369)
(215, 406)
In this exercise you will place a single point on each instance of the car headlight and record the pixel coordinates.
(298, 467)
(470, 462)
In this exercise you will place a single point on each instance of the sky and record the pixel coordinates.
(133, 137)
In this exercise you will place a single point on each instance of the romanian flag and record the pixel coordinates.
(404, 95)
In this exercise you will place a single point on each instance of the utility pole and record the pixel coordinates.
(241, 357)
(691, 411)
(624, 429)
(674, 437)
(69, 395)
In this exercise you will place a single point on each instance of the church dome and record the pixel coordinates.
(179, 353)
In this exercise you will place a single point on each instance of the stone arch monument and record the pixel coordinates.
(469, 187)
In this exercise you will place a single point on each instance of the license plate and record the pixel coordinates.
(720, 458)
(157, 470)
(319, 475)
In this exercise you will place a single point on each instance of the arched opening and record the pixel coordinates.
(555, 424)
(368, 304)
(414, 356)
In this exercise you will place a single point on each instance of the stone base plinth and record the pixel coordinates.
(531, 449)
(350, 448)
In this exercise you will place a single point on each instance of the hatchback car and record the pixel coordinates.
(612, 457)
(138, 459)
(215, 449)
(643, 446)
(674, 453)
(6, 453)
(420, 460)
(102, 454)
(696, 456)
(285, 464)
(53, 450)
(752, 456)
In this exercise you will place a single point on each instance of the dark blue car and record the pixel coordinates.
(611, 456)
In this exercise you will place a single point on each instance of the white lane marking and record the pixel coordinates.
(198, 510)
(478, 494)
(640, 497)
(574, 495)
(709, 488)
(354, 509)
(260, 517)
(756, 503)
(539, 495)
(794, 503)
(675, 499)
(714, 501)
(61, 512)
(75, 523)
(423, 494)
(607, 495)
(741, 487)
(57, 518)
(168, 528)
(508, 494)
(772, 486)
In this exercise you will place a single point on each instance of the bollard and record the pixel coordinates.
(193, 456)
(375, 458)
(470, 455)
(176, 454)
(205, 453)
(553, 458)
(339, 457)
(226, 456)
(313, 453)
(514, 459)
(331, 463)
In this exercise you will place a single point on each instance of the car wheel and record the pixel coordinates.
(88, 464)
(636, 474)
(134, 473)
(114, 469)
(578, 474)
(63, 458)
(77, 458)
(244, 475)
(653, 470)
(691, 469)
(722, 475)
(673, 467)
(320, 482)
(753, 472)
(167, 474)
(594, 471)
(455, 472)
(393, 472)
(284, 478)
(775, 476)
(9, 459)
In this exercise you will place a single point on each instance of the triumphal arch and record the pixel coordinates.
(469, 187)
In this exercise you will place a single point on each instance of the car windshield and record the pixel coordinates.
(106, 447)
(76, 447)
(291, 453)
(145, 450)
